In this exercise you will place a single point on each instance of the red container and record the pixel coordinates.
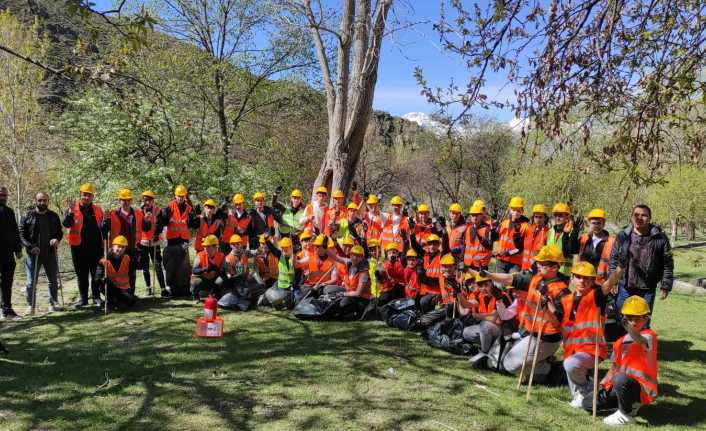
(209, 328)
(210, 308)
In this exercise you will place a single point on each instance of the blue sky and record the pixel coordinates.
(397, 91)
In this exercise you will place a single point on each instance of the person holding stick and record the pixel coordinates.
(10, 249)
(40, 233)
(113, 273)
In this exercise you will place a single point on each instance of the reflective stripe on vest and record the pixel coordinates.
(455, 235)
(534, 240)
(121, 277)
(388, 236)
(351, 283)
(506, 242)
(580, 334)
(177, 226)
(204, 230)
(74, 235)
(632, 360)
(475, 254)
(533, 298)
(316, 271)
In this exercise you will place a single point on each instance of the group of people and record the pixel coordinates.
(552, 284)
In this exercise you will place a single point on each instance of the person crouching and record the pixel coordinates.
(207, 272)
(113, 274)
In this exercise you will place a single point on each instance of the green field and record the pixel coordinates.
(145, 370)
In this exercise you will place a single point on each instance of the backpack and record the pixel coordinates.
(407, 320)
(448, 335)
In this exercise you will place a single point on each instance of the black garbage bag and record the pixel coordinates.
(320, 308)
(448, 335)
(234, 301)
(395, 307)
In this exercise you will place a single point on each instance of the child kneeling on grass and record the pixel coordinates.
(632, 381)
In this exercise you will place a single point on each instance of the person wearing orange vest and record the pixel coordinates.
(536, 236)
(395, 225)
(344, 250)
(129, 223)
(84, 220)
(356, 282)
(449, 288)
(632, 380)
(316, 213)
(149, 249)
(262, 220)
(208, 271)
(372, 218)
(211, 221)
(113, 273)
(391, 280)
(266, 263)
(511, 238)
(318, 268)
(178, 217)
(422, 224)
(237, 221)
(596, 245)
(337, 213)
(429, 272)
(546, 285)
(478, 240)
(455, 231)
(411, 285)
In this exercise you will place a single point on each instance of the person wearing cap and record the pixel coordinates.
(511, 237)
(454, 231)
(236, 221)
(423, 224)
(547, 284)
(84, 220)
(395, 225)
(280, 295)
(565, 233)
(40, 233)
(211, 221)
(411, 284)
(632, 380)
(292, 214)
(113, 275)
(266, 263)
(316, 213)
(391, 279)
(336, 214)
(129, 223)
(149, 249)
(429, 272)
(318, 268)
(536, 236)
(356, 282)
(262, 220)
(208, 271)
(372, 218)
(596, 245)
(478, 239)
(10, 250)
(178, 217)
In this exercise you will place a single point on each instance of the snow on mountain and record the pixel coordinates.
(424, 121)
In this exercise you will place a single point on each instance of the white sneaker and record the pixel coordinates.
(577, 402)
(617, 419)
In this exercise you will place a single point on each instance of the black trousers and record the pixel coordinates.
(396, 292)
(85, 263)
(120, 298)
(352, 304)
(428, 302)
(149, 254)
(624, 395)
(7, 275)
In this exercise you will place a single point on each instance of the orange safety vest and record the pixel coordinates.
(392, 273)
(475, 255)
(580, 334)
(534, 240)
(331, 215)
(217, 259)
(351, 283)
(317, 271)
(121, 277)
(422, 232)
(506, 243)
(232, 224)
(74, 234)
(204, 230)
(455, 235)
(388, 236)
(309, 212)
(231, 260)
(267, 266)
(632, 360)
(374, 226)
(411, 288)
(447, 294)
(149, 234)
(602, 269)
(115, 225)
(533, 297)
(432, 269)
(177, 226)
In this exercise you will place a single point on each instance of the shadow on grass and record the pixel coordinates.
(690, 412)
(679, 350)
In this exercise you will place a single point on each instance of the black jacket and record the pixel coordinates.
(29, 228)
(9, 233)
(660, 267)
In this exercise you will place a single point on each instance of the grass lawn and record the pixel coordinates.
(145, 370)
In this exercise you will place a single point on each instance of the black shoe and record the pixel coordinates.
(81, 303)
(166, 293)
(9, 313)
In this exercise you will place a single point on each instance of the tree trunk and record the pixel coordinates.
(222, 120)
(690, 229)
(673, 235)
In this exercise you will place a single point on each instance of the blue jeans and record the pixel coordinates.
(624, 293)
(50, 268)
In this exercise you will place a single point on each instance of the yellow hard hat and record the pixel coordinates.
(261, 239)
(479, 278)
(258, 195)
(561, 208)
(352, 206)
(319, 241)
(238, 198)
(448, 259)
(338, 194)
(209, 240)
(87, 188)
(635, 306)
(180, 191)
(517, 202)
(480, 203)
(357, 250)
(119, 240)
(392, 246)
(372, 199)
(433, 238)
(285, 242)
(296, 193)
(149, 194)
(125, 194)
(476, 209)
(372, 242)
(455, 208)
(550, 253)
(583, 268)
(322, 189)
(234, 239)
(306, 234)
(467, 277)
(596, 213)
(348, 241)
(423, 208)
(539, 208)
(411, 253)
(396, 200)
(210, 202)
